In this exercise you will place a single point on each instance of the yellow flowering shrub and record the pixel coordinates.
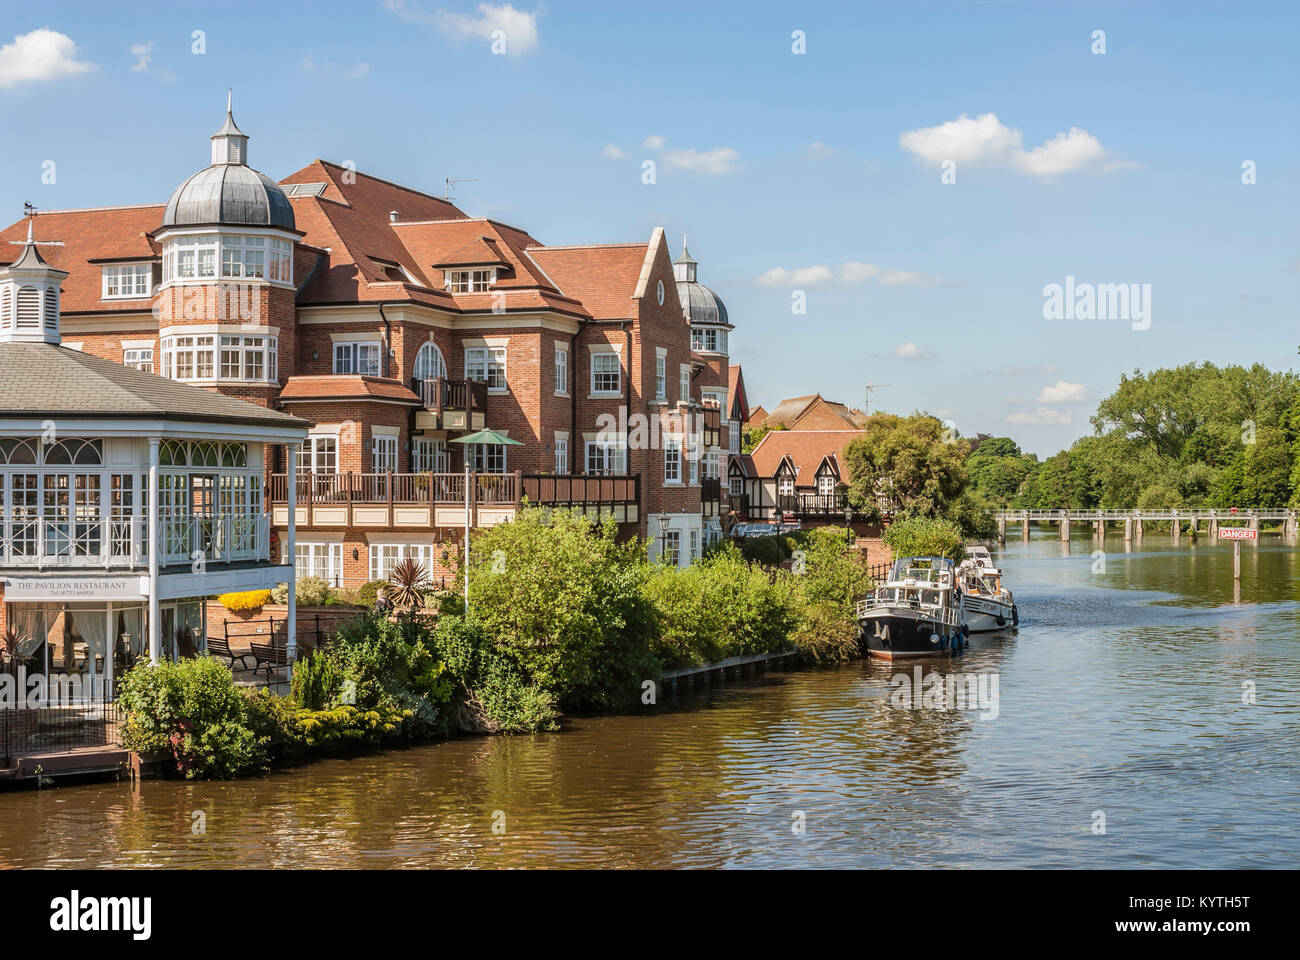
(245, 600)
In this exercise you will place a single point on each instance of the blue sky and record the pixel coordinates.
(820, 172)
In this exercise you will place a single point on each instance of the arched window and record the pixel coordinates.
(429, 364)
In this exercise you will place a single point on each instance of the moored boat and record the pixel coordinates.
(988, 603)
(917, 612)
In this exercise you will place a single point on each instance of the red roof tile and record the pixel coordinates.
(345, 388)
(806, 449)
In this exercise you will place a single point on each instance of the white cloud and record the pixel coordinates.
(709, 162)
(357, 70)
(654, 142)
(801, 276)
(1064, 392)
(988, 141)
(519, 28)
(851, 272)
(855, 272)
(39, 56)
(1041, 416)
(819, 151)
(611, 152)
(910, 351)
(1075, 150)
(143, 53)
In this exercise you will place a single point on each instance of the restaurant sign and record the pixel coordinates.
(71, 589)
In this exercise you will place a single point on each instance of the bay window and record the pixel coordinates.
(209, 357)
(227, 257)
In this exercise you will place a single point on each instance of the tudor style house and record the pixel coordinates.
(396, 324)
(126, 499)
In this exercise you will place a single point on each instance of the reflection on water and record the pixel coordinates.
(1122, 692)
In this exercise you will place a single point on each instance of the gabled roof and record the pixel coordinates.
(805, 449)
(43, 380)
(813, 412)
(737, 401)
(757, 416)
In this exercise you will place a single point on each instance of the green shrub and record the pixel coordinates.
(317, 680)
(827, 633)
(308, 592)
(367, 592)
(917, 536)
(192, 711)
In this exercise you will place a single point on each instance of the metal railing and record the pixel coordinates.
(56, 723)
(51, 539)
(946, 615)
(1182, 513)
(490, 489)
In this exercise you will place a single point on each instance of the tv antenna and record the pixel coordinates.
(452, 181)
(872, 386)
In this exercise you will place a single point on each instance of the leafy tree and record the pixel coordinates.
(908, 459)
(917, 536)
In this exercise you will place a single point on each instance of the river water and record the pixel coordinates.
(1120, 739)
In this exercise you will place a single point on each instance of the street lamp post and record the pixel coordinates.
(663, 538)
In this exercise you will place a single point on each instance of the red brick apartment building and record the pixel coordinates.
(395, 323)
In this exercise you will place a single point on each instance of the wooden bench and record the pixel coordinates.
(272, 655)
(221, 648)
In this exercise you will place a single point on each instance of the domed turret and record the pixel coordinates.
(703, 308)
(229, 192)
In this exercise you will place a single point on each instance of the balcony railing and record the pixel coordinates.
(488, 489)
(566, 491)
(441, 394)
(51, 540)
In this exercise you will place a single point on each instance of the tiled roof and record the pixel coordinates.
(345, 388)
(806, 449)
(757, 415)
(40, 379)
(103, 233)
(736, 386)
(603, 277)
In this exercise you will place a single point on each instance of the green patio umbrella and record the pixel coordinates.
(486, 437)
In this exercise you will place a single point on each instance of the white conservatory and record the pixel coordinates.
(126, 499)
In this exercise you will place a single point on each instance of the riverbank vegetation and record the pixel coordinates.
(561, 617)
(1198, 435)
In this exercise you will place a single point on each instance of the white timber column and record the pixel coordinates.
(155, 614)
(291, 543)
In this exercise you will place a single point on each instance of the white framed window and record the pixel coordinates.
(279, 260)
(128, 281)
(733, 437)
(712, 462)
(694, 545)
(243, 257)
(189, 357)
(248, 358)
(470, 281)
(826, 484)
(737, 485)
(385, 556)
(487, 363)
(429, 363)
(321, 560)
(673, 461)
(708, 340)
(141, 358)
(671, 550)
(561, 369)
(561, 456)
(684, 381)
(430, 455)
(606, 458)
(319, 453)
(606, 374)
(489, 457)
(785, 486)
(383, 454)
(358, 358)
(693, 460)
(661, 376)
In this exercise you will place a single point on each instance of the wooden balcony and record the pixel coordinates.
(451, 404)
(432, 500)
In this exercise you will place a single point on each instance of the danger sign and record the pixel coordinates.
(1237, 533)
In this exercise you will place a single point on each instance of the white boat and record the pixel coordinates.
(989, 605)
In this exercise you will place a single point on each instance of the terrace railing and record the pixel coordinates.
(441, 394)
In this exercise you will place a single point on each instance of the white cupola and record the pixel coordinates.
(29, 297)
(229, 144)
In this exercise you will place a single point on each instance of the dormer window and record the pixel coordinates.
(128, 281)
(393, 271)
(470, 281)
